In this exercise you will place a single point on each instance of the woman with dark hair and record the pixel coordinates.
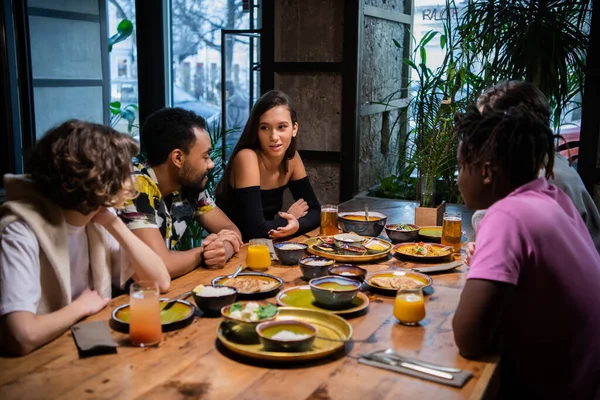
(262, 165)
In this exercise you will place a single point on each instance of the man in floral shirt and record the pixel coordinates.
(171, 192)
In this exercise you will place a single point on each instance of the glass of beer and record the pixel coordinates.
(329, 220)
(452, 230)
(258, 256)
(409, 306)
(144, 314)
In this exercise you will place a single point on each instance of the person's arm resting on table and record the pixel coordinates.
(491, 282)
(21, 330)
(224, 240)
(302, 191)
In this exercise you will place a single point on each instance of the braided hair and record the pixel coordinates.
(516, 142)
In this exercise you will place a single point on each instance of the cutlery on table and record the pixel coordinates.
(237, 272)
(408, 365)
(172, 301)
(395, 356)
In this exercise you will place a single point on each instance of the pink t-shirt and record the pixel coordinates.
(536, 240)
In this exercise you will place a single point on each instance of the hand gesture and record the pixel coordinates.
(214, 252)
(104, 217)
(232, 237)
(298, 209)
(90, 302)
(283, 231)
(470, 252)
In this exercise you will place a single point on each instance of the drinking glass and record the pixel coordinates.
(144, 318)
(452, 230)
(258, 256)
(329, 219)
(409, 306)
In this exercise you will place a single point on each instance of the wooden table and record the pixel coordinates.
(189, 364)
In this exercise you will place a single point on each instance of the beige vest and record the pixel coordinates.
(47, 222)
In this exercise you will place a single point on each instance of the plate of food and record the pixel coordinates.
(181, 314)
(389, 281)
(251, 285)
(302, 297)
(331, 334)
(349, 247)
(424, 252)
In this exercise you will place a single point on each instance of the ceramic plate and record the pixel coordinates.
(329, 326)
(398, 252)
(348, 258)
(178, 316)
(302, 297)
(422, 278)
(274, 282)
(431, 234)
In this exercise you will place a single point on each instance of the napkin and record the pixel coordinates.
(93, 338)
(460, 378)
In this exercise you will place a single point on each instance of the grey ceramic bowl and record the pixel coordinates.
(310, 270)
(339, 294)
(399, 235)
(364, 228)
(212, 305)
(289, 253)
(348, 271)
(266, 331)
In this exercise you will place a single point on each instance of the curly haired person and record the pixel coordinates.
(61, 248)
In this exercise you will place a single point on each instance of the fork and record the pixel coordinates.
(392, 354)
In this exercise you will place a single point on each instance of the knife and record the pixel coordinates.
(408, 365)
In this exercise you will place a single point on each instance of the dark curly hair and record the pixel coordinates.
(169, 129)
(81, 166)
(516, 93)
(249, 138)
(516, 142)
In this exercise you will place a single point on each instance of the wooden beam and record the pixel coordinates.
(388, 15)
(379, 108)
(152, 73)
(351, 84)
(306, 67)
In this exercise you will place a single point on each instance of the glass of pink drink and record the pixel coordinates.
(144, 319)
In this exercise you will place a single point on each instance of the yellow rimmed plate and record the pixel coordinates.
(399, 251)
(302, 297)
(425, 280)
(329, 326)
(312, 249)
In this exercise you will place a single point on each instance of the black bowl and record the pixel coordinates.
(315, 271)
(212, 305)
(290, 256)
(348, 271)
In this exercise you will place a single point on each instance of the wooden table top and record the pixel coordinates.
(188, 363)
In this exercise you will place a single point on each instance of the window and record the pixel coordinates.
(123, 69)
(196, 74)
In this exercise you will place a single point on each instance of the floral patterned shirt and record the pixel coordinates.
(171, 214)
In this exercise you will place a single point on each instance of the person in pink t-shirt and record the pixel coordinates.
(533, 289)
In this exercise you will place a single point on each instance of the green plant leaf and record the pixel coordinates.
(397, 43)
(442, 41)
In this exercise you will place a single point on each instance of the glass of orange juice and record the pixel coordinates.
(409, 306)
(144, 314)
(258, 257)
